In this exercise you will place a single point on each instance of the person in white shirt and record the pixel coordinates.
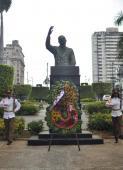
(116, 105)
(10, 106)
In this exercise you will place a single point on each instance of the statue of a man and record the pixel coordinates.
(63, 55)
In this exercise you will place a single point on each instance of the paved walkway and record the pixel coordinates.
(19, 156)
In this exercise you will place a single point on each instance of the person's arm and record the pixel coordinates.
(48, 45)
(72, 58)
(17, 105)
(109, 103)
(1, 103)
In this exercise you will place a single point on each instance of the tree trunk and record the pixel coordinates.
(1, 39)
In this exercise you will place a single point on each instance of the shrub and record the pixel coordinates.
(97, 106)
(35, 127)
(29, 108)
(88, 100)
(2, 127)
(19, 126)
(100, 121)
(6, 78)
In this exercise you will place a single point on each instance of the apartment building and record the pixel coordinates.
(13, 56)
(105, 62)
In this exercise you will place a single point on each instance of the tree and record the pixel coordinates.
(6, 78)
(119, 18)
(4, 6)
(118, 21)
(101, 88)
(22, 91)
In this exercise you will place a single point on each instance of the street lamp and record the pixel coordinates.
(47, 80)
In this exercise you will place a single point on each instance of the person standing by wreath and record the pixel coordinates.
(116, 106)
(10, 106)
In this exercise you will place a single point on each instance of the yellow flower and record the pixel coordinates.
(1, 124)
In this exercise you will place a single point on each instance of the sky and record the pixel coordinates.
(28, 21)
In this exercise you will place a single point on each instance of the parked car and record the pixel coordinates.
(106, 97)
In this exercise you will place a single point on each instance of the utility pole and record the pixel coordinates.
(32, 80)
(47, 70)
(112, 76)
(27, 78)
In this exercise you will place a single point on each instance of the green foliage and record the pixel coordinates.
(1, 112)
(120, 48)
(101, 88)
(88, 100)
(2, 127)
(22, 91)
(6, 78)
(39, 93)
(5, 5)
(86, 91)
(35, 127)
(29, 108)
(119, 18)
(98, 106)
(19, 126)
(100, 121)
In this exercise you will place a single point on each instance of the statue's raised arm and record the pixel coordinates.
(63, 55)
(48, 45)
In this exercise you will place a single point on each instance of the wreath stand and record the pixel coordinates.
(51, 139)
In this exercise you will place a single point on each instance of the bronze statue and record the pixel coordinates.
(63, 55)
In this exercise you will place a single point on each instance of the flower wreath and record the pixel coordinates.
(63, 114)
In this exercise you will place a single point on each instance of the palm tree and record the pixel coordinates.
(118, 21)
(4, 6)
(119, 18)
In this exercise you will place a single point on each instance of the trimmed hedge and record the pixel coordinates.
(6, 78)
(100, 121)
(86, 92)
(28, 108)
(39, 93)
(101, 88)
(88, 100)
(22, 91)
(98, 106)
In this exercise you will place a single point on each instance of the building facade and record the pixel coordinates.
(105, 61)
(13, 56)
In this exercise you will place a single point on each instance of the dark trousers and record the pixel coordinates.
(116, 122)
(9, 129)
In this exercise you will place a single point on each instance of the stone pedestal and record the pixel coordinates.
(66, 73)
(84, 138)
